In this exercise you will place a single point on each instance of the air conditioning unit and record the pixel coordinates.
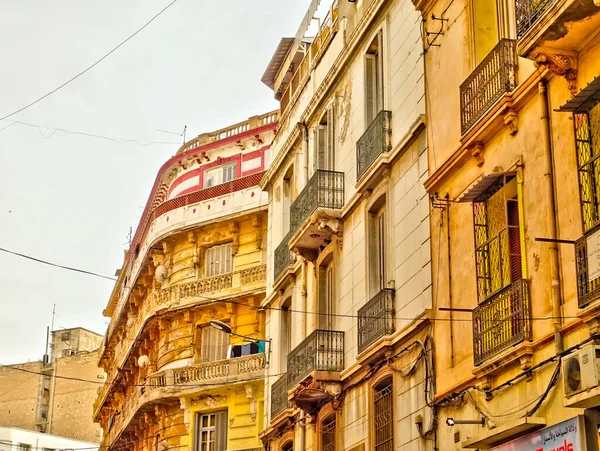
(581, 370)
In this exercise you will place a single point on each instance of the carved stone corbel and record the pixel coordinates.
(251, 396)
(235, 235)
(561, 63)
(476, 150)
(333, 224)
(511, 120)
(257, 225)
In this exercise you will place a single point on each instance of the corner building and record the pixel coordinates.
(173, 381)
(513, 122)
(348, 264)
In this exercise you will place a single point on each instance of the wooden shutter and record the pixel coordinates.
(331, 138)
(221, 431)
(370, 87)
(214, 344)
(381, 248)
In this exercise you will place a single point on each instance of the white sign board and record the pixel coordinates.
(565, 436)
(593, 256)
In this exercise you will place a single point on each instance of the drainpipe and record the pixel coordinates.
(304, 172)
(551, 202)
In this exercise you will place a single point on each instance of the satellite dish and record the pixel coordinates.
(143, 361)
(161, 273)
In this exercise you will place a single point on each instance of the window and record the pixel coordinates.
(65, 336)
(218, 260)
(212, 344)
(587, 141)
(218, 175)
(288, 446)
(328, 433)
(374, 78)
(211, 431)
(287, 187)
(285, 334)
(491, 22)
(384, 415)
(326, 294)
(68, 352)
(497, 237)
(377, 245)
(24, 447)
(324, 139)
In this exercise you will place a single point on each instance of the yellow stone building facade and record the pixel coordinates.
(173, 381)
(513, 130)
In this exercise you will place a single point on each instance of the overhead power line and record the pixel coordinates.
(68, 268)
(89, 67)
(53, 130)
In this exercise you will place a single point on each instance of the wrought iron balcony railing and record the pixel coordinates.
(501, 321)
(283, 256)
(279, 396)
(325, 189)
(588, 289)
(528, 12)
(376, 318)
(491, 79)
(322, 350)
(376, 139)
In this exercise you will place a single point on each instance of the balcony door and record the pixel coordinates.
(326, 294)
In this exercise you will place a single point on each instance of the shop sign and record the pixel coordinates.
(593, 256)
(565, 436)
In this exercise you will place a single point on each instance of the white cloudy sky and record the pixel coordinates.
(71, 199)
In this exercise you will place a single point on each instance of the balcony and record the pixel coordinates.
(495, 76)
(501, 321)
(279, 396)
(322, 350)
(283, 258)
(560, 25)
(588, 282)
(180, 382)
(376, 140)
(376, 319)
(313, 215)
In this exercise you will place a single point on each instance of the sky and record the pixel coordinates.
(71, 199)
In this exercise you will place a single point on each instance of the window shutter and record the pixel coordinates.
(221, 431)
(322, 147)
(379, 74)
(370, 87)
(228, 257)
(331, 138)
(214, 344)
(381, 248)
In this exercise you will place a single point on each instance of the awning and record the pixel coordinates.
(584, 99)
(482, 185)
(277, 60)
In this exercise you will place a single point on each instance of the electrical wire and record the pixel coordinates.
(89, 67)
(68, 268)
(142, 143)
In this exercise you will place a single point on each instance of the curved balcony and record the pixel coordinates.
(222, 286)
(180, 382)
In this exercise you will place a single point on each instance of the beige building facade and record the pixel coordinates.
(512, 125)
(41, 396)
(349, 266)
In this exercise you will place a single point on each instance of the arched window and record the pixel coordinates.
(328, 433)
(288, 446)
(384, 415)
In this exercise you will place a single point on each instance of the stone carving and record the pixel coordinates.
(209, 401)
(477, 152)
(344, 107)
(511, 121)
(562, 64)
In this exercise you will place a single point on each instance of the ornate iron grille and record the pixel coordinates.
(493, 77)
(283, 256)
(527, 13)
(587, 143)
(325, 189)
(587, 290)
(384, 418)
(501, 321)
(376, 318)
(279, 397)
(322, 350)
(328, 433)
(376, 139)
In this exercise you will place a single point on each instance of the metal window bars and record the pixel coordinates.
(376, 318)
(528, 12)
(376, 140)
(282, 257)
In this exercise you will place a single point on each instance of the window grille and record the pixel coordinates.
(328, 433)
(219, 260)
(384, 416)
(497, 237)
(587, 142)
(211, 432)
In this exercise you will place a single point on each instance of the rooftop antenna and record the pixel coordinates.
(129, 237)
(48, 328)
(183, 133)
